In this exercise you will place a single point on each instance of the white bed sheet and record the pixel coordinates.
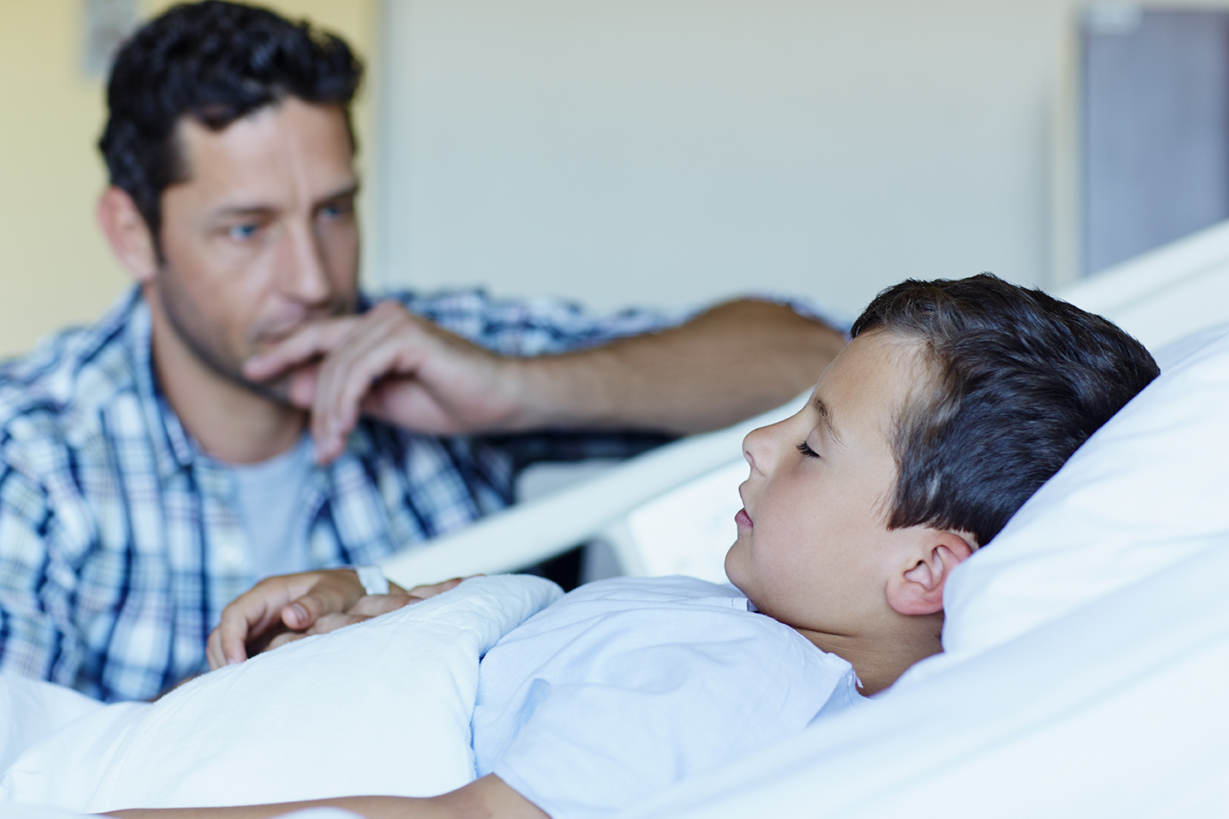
(388, 702)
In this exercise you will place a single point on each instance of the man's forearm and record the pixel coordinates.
(727, 364)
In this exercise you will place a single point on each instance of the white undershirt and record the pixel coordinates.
(268, 495)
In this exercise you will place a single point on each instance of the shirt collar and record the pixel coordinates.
(173, 449)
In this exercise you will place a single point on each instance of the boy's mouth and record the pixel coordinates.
(743, 519)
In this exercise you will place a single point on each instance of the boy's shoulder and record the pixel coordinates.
(631, 615)
(675, 589)
(623, 686)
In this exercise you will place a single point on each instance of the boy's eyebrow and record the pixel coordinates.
(825, 417)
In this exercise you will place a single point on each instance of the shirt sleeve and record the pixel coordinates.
(546, 325)
(37, 587)
(527, 327)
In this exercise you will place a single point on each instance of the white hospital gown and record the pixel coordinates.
(629, 685)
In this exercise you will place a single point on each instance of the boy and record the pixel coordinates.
(952, 404)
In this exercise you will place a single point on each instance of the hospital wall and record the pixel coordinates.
(661, 152)
(632, 151)
(55, 267)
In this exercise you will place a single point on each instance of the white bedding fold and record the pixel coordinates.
(381, 707)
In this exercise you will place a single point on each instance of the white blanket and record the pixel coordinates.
(382, 707)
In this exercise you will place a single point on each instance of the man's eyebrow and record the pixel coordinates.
(342, 193)
(825, 418)
(348, 191)
(242, 210)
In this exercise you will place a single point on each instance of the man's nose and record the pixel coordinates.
(305, 272)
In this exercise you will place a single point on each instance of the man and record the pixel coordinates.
(245, 411)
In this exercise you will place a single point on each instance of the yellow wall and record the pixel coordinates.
(55, 267)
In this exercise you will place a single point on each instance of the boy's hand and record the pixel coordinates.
(372, 605)
(279, 609)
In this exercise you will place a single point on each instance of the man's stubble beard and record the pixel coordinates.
(190, 324)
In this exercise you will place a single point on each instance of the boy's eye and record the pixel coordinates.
(805, 449)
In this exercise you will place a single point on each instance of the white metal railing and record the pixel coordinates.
(1164, 294)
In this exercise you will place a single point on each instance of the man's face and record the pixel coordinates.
(813, 548)
(262, 236)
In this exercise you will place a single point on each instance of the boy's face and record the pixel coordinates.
(813, 549)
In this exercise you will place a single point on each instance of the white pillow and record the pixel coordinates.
(31, 711)
(382, 707)
(1149, 488)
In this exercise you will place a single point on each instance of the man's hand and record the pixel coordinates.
(392, 365)
(402, 369)
(278, 610)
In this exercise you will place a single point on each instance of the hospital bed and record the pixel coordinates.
(1085, 649)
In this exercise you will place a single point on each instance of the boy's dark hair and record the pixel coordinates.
(1020, 381)
(216, 62)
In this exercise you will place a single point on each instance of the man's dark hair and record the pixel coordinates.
(215, 62)
(1019, 381)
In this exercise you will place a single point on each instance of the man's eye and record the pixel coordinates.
(337, 210)
(242, 233)
(805, 449)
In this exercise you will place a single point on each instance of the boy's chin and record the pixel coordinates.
(732, 569)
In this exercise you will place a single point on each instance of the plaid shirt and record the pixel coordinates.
(121, 541)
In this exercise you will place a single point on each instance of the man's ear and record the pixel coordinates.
(918, 588)
(127, 232)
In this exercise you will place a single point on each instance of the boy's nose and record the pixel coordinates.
(763, 447)
(755, 448)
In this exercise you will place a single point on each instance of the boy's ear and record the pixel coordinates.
(918, 588)
(127, 232)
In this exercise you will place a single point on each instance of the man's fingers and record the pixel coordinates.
(313, 339)
(376, 350)
(301, 385)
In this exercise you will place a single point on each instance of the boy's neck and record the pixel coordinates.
(879, 657)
